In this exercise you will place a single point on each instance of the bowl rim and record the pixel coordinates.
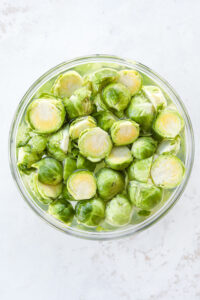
(103, 235)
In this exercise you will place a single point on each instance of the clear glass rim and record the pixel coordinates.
(103, 235)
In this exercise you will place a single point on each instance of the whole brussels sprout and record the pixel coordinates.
(168, 146)
(69, 167)
(141, 111)
(144, 195)
(116, 96)
(95, 144)
(45, 115)
(79, 104)
(38, 143)
(26, 158)
(23, 135)
(105, 119)
(131, 79)
(140, 169)
(118, 211)
(167, 171)
(144, 147)
(66, 84)
(109, 183)
(168, 124)
(62, 210)
(119, 158)
(90, 212)
(155, 95)
(80, 124)
(124, 132)
(84, 163)
(50, 171)
(58, 144)
(81, 185)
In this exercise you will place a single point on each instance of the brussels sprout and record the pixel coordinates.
(167, 171)
(90, 212)
(84, 163)
(65, 194)
(38, 143)
(81, 185)
(50, 171)
(144, 195)
(45, 115)
(105, 119)
(80, 124)
(124, 132)
(168, 124)
(79, 104)
(23, 135)
(26, 158)
(62, 210)
(102, 77)
(144, 147)
(69, 167)
(66, 84)
(140, 169)
(141, 111)
(155, 95)
(100, 105)
(119, 158)
(118, 211)
(131, 79)
(109, 183)
(116, 96)
(168, 146)
(94, 144)
(58, 144)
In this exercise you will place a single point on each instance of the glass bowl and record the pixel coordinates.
(103, 61)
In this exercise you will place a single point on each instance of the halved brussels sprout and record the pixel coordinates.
(118, 211)
(168, 146)
(167, 171)
(131, 79)
(105, 119)
(124, 132)
(66, 84)
(81, 185)
(23, 135)
(168, 124)
(38, 143)
(100, 105)
(109, 183)
(141, 111)
(144, 147)
(45, 115)
(84, 163)
(144, 195)
(140, 169)
(119, 158)
(90, 212)
(62, 210)
(50, 171)
(69, 167)
(26, 158)
(95, 144)
(116, 96)
(79, 104)
(58, 144)
(155, 95)
(80, 124)
(102, 77)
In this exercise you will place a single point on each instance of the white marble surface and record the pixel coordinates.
(38, 262)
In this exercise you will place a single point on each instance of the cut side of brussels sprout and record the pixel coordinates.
(23, 135)
(131, 79)
(81, 185)
(105, 119)
(26, 158)
(58, 144)
(119, 158)
(168, 146)
(90, 212)
(144, 195)
(66, 84)
(140, 169)
(38, 143)
(84, 163)
(102, 77)
(155, 95)
(167, 171)
(62, 210)
(168, 124)
(45, 115)
(116, 96)
(80, 124)
(118, 211)
(69, 167)
(144, 147)
(124, 132)
(109, 183)
(95, 144)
